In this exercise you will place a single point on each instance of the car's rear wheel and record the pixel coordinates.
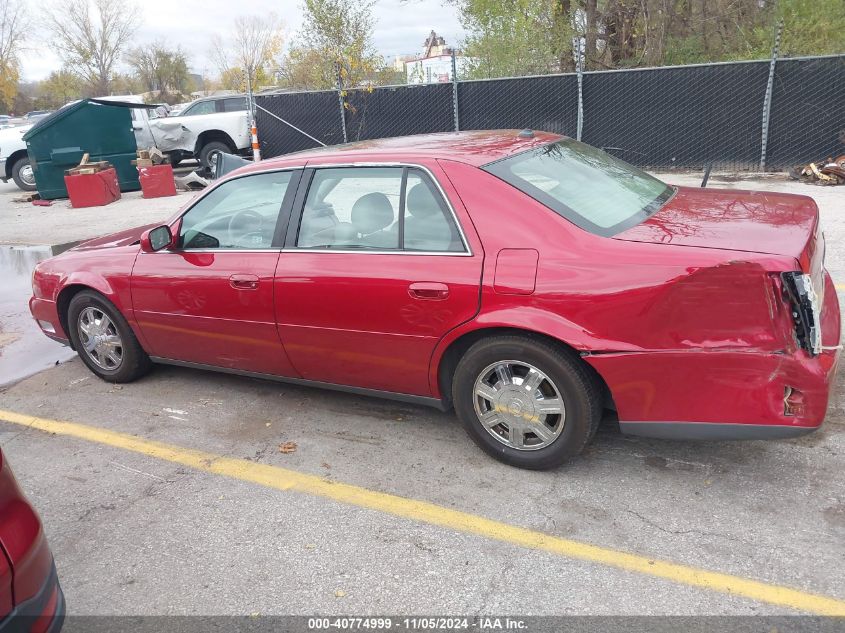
(526, 402)
(104, 340)
(23, 175)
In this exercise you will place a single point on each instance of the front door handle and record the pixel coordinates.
(244, 282)
(429, 290)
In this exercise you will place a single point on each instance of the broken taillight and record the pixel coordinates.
(793, 401)
(805, 309)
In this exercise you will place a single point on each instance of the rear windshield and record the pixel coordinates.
(590, 188)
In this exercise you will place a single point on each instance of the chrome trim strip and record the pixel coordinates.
(188, 251)
(361, 391)
(374, 252)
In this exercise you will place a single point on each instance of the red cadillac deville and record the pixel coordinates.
(523, 278)
(31, 599)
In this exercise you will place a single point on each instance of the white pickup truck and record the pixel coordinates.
(202, 130)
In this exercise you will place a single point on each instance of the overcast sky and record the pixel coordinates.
(401, 27)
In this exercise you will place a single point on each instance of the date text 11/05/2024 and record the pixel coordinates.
(418, 623)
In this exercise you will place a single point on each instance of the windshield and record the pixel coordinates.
(590, 188)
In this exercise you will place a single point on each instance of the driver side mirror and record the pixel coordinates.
(156, 239)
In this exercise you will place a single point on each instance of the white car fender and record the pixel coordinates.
(11, 142)
(182, 132)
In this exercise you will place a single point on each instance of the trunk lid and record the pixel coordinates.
(736, 220)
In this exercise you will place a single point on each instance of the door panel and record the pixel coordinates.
(349, 318)
(189, 308)
(366, 317)
(210, 300)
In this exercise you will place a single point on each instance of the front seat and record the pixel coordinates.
(371, 215)
(426, 229)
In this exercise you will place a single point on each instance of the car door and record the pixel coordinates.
(376, 270)
(209, 300)
(140, 127)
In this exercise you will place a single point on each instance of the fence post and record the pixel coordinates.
(340, 101)
(579, 63)
(767, 101)
(455, 90)
(253, 128)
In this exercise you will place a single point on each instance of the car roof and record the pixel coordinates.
(235, 95)
(477, 147)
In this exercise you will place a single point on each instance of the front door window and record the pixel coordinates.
(239, 214)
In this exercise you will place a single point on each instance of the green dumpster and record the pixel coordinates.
(102, 129)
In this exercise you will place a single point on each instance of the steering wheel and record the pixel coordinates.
(247, 219)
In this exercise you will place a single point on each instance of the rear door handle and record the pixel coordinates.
(429, 290)
(244, 282)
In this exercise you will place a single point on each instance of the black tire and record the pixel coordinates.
(20, 164)
(134, 361)
(578, 390)
(208, 149)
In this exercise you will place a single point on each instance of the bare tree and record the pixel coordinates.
(251, 48)
(89, 35)
(159, 68)
(14, 26)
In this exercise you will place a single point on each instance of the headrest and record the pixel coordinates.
(372, 212)
(420, 202)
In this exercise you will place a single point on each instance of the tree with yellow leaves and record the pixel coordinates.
(336, 35)
(13, 33)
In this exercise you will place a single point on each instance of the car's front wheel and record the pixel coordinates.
(23, 175)
(104, 340)
(526, 402)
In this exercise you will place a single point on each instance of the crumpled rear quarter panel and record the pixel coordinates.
(722, 385)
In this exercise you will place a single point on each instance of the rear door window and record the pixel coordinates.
(377, 208)
(237, 104)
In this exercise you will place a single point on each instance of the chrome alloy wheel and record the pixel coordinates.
(27, 175)
(100, 339)
(519, 405)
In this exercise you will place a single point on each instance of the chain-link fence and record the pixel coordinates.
(736, 115)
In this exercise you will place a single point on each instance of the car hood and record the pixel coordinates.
(114, 240)
(749, 221)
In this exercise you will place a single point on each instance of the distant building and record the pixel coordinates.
(434, 65)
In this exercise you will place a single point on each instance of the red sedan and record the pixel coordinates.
(525, 279)
(31, 599)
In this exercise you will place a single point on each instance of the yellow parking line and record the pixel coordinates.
(839, 286)
(285, 479)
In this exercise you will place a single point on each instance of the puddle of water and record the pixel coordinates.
(24, 350)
